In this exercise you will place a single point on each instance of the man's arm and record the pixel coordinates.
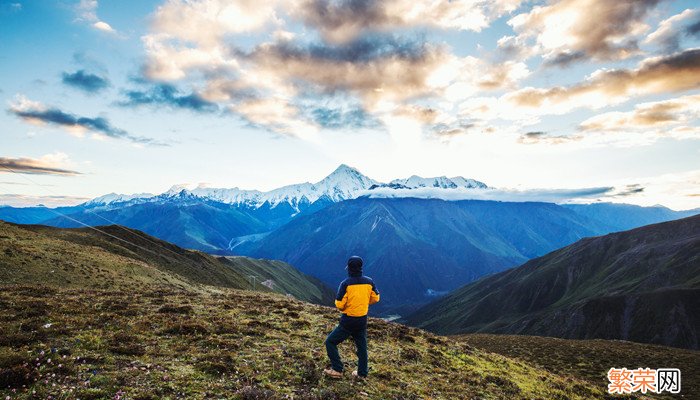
(374, 294)
(341, 298)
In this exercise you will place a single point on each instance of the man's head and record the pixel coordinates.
(355, 265)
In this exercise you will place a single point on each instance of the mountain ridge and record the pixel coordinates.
(638, 285)
(98, 257)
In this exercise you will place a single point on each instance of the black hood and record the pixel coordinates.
(355, 266)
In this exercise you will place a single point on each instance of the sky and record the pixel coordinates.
(592, 96)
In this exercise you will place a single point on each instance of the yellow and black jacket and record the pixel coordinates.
(354, 297)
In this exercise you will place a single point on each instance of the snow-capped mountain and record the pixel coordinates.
(440, 182)
(113, 198)
(342, 184)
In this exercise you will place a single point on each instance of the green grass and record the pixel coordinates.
(85, 258)
(168, 344)
(591, 359)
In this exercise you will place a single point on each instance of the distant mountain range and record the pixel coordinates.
(641, 285)
(342, 184)
(119, 258)
(441, 244)
(417, 249)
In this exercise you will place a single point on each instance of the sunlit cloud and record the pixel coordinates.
(663, 74)
(381, 70)
(49, 164)
(340, 21)
(565, 31)
(651, 118)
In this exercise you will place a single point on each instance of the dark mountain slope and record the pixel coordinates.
(116, 257)
(415, 248)
(641, 285)
(622, 217)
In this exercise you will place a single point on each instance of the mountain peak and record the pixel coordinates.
(343, 170)
(441, 182)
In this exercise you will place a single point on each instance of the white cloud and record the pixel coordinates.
(87, 12)
(667, 33)
(516, 195)
(103, 26)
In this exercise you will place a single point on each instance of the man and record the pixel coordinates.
(354, 297)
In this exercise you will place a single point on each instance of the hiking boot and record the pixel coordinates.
(357, 376)
(331, 373)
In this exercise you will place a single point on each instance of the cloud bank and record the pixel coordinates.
(37, 113)
(537, 195)
(50, 164)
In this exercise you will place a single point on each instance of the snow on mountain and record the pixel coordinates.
(342, 184)
(441, 182)
(112, 198)
(230, 196)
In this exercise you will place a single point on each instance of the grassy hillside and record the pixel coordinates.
(120, 258)
(591, 359)
(283, 278)
(175, 344)
(641, 285)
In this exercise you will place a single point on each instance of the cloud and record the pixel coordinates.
(34, 112)
(50, 164)
(678, 191)
(381, 69)
(277, 115)
(377, 68)
(103, 26)
(345, 20)
(22, 200)
(540, 195)
(627, 190)
(165, 94)
(665, 74)
(669, 32)
(651, 118)
(572, 30)
(87, 12)
(85, 81)
(539, 137)
(693, 29)
(342, 118)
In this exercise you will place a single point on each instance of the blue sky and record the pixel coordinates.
(136, 96)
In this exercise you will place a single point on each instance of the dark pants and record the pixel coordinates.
(336, 337)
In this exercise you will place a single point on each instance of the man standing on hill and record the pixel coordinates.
(354, 297)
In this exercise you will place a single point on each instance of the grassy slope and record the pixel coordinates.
(85, 258)
(639, 285)
(168, 344)
(284, 278)
(591, 359)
